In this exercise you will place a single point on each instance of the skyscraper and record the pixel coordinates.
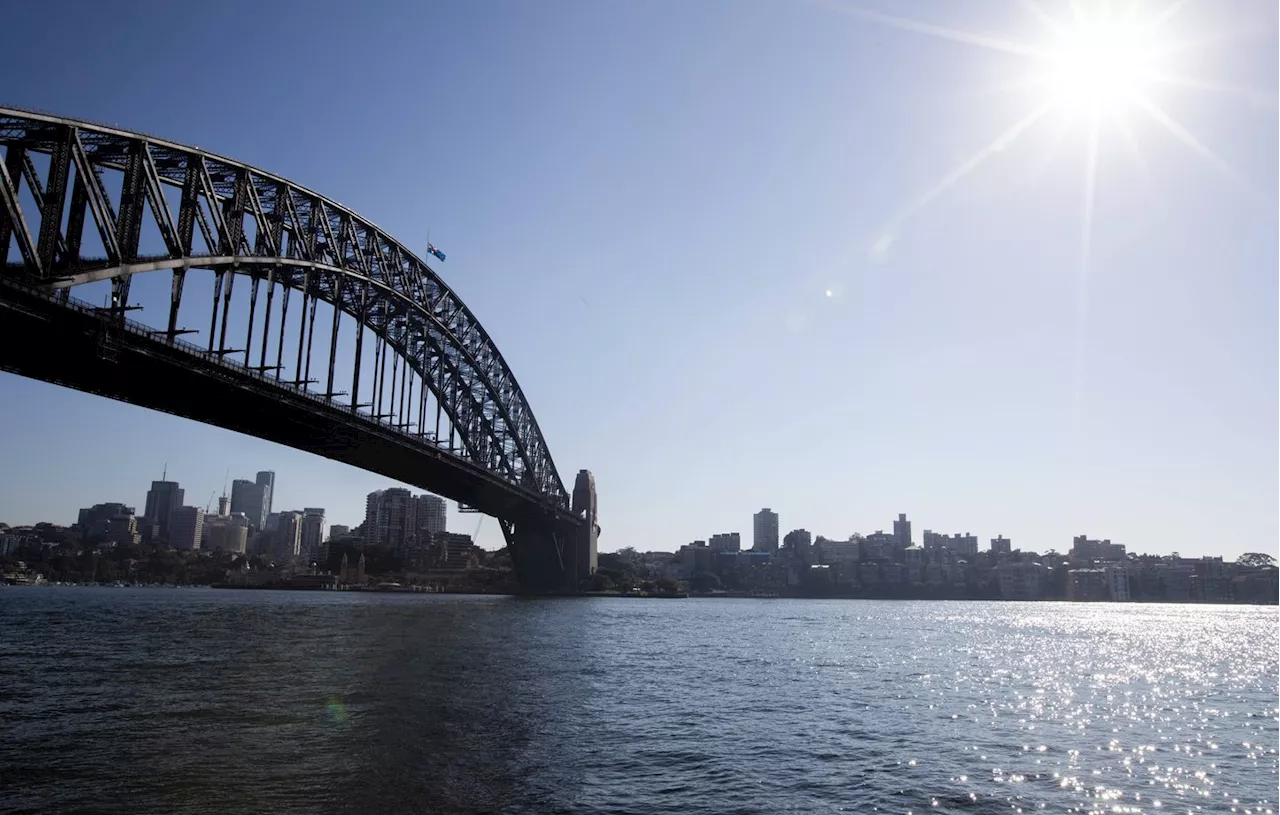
(162, 499)
(389, 517)
(313, 529)
(431, 516)
(765, 531)
(288, 536)
(372, 502)
(186, 527)
(267, 480)
(250, 498)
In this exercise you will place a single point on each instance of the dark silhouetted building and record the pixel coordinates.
(186, 527)
(162, 499)
(902, 531)
(250, 499)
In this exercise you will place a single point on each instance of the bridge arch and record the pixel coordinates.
(240, 222)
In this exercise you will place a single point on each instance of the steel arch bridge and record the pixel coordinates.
(155, 206)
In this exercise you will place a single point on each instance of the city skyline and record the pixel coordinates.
(811, 261)
(765, 533)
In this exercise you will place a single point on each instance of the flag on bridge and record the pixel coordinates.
(434, 251)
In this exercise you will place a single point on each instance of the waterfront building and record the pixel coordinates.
(1117, 580)
(1019, 581)
(1086, 585)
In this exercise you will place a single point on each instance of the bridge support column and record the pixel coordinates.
(541, 548)
(584, 541)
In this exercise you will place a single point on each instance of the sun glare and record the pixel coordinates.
(1101, 62)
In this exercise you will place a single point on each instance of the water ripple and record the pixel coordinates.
(198, 701)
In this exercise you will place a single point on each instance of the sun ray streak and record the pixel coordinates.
(1051, 151)
(1082, 281)
(942, 32)
(1183, 135)
(1131, 141)
(1254, 97)
(1045, 18)
(1000, 143)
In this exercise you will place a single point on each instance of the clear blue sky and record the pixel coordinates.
(671, 218)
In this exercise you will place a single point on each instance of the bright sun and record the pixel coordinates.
(1101, 62)
(1106, 59)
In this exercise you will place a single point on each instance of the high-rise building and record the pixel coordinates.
(431, 516)
(313, 533)
(224, 506)
(250, 498)
(1000, 545)
(389, 518)
(764, 536)
(288, 536)
(902, 531)
(162, 499)
(186, 527)
(369, 529)
(338, 531)
(267, 480)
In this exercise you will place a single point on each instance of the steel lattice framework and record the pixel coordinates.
(258, 226)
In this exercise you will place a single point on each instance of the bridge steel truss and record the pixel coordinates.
(242, 222)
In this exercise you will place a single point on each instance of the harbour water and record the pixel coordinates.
(207, 701)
